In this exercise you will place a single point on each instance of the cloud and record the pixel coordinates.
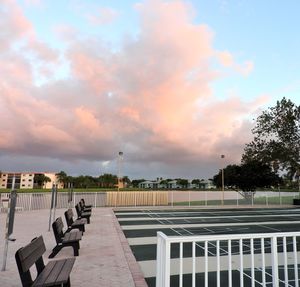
(102, 16)
(152, 99)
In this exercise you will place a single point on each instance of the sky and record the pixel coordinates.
(172, 84)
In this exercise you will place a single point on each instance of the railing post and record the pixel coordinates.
(263, 261)
(95, 205)
(229, 264)
(162, 261)
(295, 253)
(252, 262)
(30, 201)
(241, 263)
(180, 264)
(74, 201)
(218, 263)
(285, 263)
(206, 264)
(274, 261)
(193, 264)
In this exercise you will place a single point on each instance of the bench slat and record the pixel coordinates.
(30, 253)
(80, 221)
(55, 272)
(72, 236)
(67, 269)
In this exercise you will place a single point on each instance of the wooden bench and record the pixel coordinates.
(86, 205)
(82, 214)
(84, 208)
(55, 273)
(64, 239)
(77, 224)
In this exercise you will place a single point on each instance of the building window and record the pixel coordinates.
(29, 179)
(23, 184)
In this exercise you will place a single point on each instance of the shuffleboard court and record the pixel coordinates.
(141, 226)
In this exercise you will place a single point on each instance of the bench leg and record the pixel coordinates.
(76, 248)
(55, 250)
(67, 284)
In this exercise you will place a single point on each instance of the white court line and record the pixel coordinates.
(236, 217)
(223, 211)
(271, 228)
(267, 273)
(154, 226)
(197, 244)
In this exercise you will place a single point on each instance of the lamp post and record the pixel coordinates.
(222, 171)
(120, 157)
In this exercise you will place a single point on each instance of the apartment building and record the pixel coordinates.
(26, 180)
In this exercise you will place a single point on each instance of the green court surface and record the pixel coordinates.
(141, 227)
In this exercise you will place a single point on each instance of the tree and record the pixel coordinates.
(196, 181)
(108, 180)
(62, 178)
(126, 180)
(231, 173)
(277, 138)
(182, 182)
(247, 177)
(40, 179)
(136, 182)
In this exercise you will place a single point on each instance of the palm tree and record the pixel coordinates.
(40, 179)
(62, 178)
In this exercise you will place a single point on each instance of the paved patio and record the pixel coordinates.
(105, 258)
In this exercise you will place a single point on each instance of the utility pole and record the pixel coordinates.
(222, 171)
(120, 158)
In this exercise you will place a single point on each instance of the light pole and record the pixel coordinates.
(120, 157)
(222, 171)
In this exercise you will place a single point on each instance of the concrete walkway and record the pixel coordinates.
(105, 258)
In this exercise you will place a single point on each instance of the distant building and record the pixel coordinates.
(159, 183)
(25, 180)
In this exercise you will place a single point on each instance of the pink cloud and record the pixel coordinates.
(152, 99)
(225, 58)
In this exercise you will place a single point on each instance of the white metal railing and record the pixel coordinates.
(254, 256)
(35, 201)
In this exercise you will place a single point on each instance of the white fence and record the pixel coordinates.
(34, 201)
(212, 197)
(263, 259)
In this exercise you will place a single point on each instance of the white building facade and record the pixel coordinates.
(25, 180)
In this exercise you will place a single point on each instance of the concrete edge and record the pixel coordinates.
(134, 267)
